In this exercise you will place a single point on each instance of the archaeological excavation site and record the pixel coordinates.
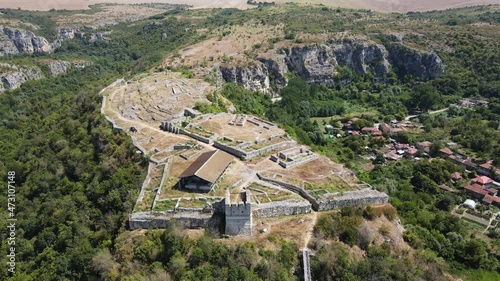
(226, 172)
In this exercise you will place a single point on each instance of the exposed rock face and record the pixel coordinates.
(12, 76)
(410, 61)
(277, 69)
(15, 40)
(254, 77)
(22, 41)
(98, 36)
(70, 33)
(317, 64)
(59, 67)
(313, 63)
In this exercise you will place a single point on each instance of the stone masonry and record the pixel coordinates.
(238, 216)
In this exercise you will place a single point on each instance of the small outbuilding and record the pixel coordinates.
(470, 204)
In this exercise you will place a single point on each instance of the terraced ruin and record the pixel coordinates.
(270, 174)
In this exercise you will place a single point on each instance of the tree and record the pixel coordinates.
(423, 183)
(425, 97)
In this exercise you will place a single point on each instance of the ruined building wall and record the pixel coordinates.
(282, 208)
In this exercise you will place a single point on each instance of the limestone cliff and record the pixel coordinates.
(318, 63)
(15, 40)
(12, 76)
(254, 77)
(413, 62)
(58, 67)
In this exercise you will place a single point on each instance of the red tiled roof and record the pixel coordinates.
(368, 129)
(486, 165)
(376, 133)
(402, 146)
(425, 144)
(488, 199)
(489, 165)
(446, 151)
(482, 180)
(476, 189)
(411, 151)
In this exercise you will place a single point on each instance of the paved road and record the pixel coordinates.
(306, 265)
(409, 117)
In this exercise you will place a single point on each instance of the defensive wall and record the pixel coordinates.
(282, 208)
(250, 154)
(334, 200)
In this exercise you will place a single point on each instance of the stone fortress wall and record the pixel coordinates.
(282, 208)
(334, 200)
(236, 218)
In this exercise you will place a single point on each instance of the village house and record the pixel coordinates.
(445, 152)
(368, 130)
(475, 191)
(424, 146)
(489, 170)
(376, 133)
(481, 189)
(386, 129)
(411, 152)
(483, 181)
(466, 162)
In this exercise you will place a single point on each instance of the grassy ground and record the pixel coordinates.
(477, 275)
(332, 186)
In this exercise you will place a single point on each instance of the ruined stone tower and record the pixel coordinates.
(238, 215)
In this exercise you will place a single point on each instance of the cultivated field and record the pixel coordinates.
(377, 5)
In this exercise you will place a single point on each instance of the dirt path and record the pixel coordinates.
(310, 230)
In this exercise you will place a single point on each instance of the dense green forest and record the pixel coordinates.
(77, 178)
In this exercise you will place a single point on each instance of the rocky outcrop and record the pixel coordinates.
(318, 64)
(14, 40)
(254, 77)
(70, 33)
(99, 36)
(277, 69)
(12, 76)
(58, 67)
(410, 61)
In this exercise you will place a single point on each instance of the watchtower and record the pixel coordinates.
(238, 215)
